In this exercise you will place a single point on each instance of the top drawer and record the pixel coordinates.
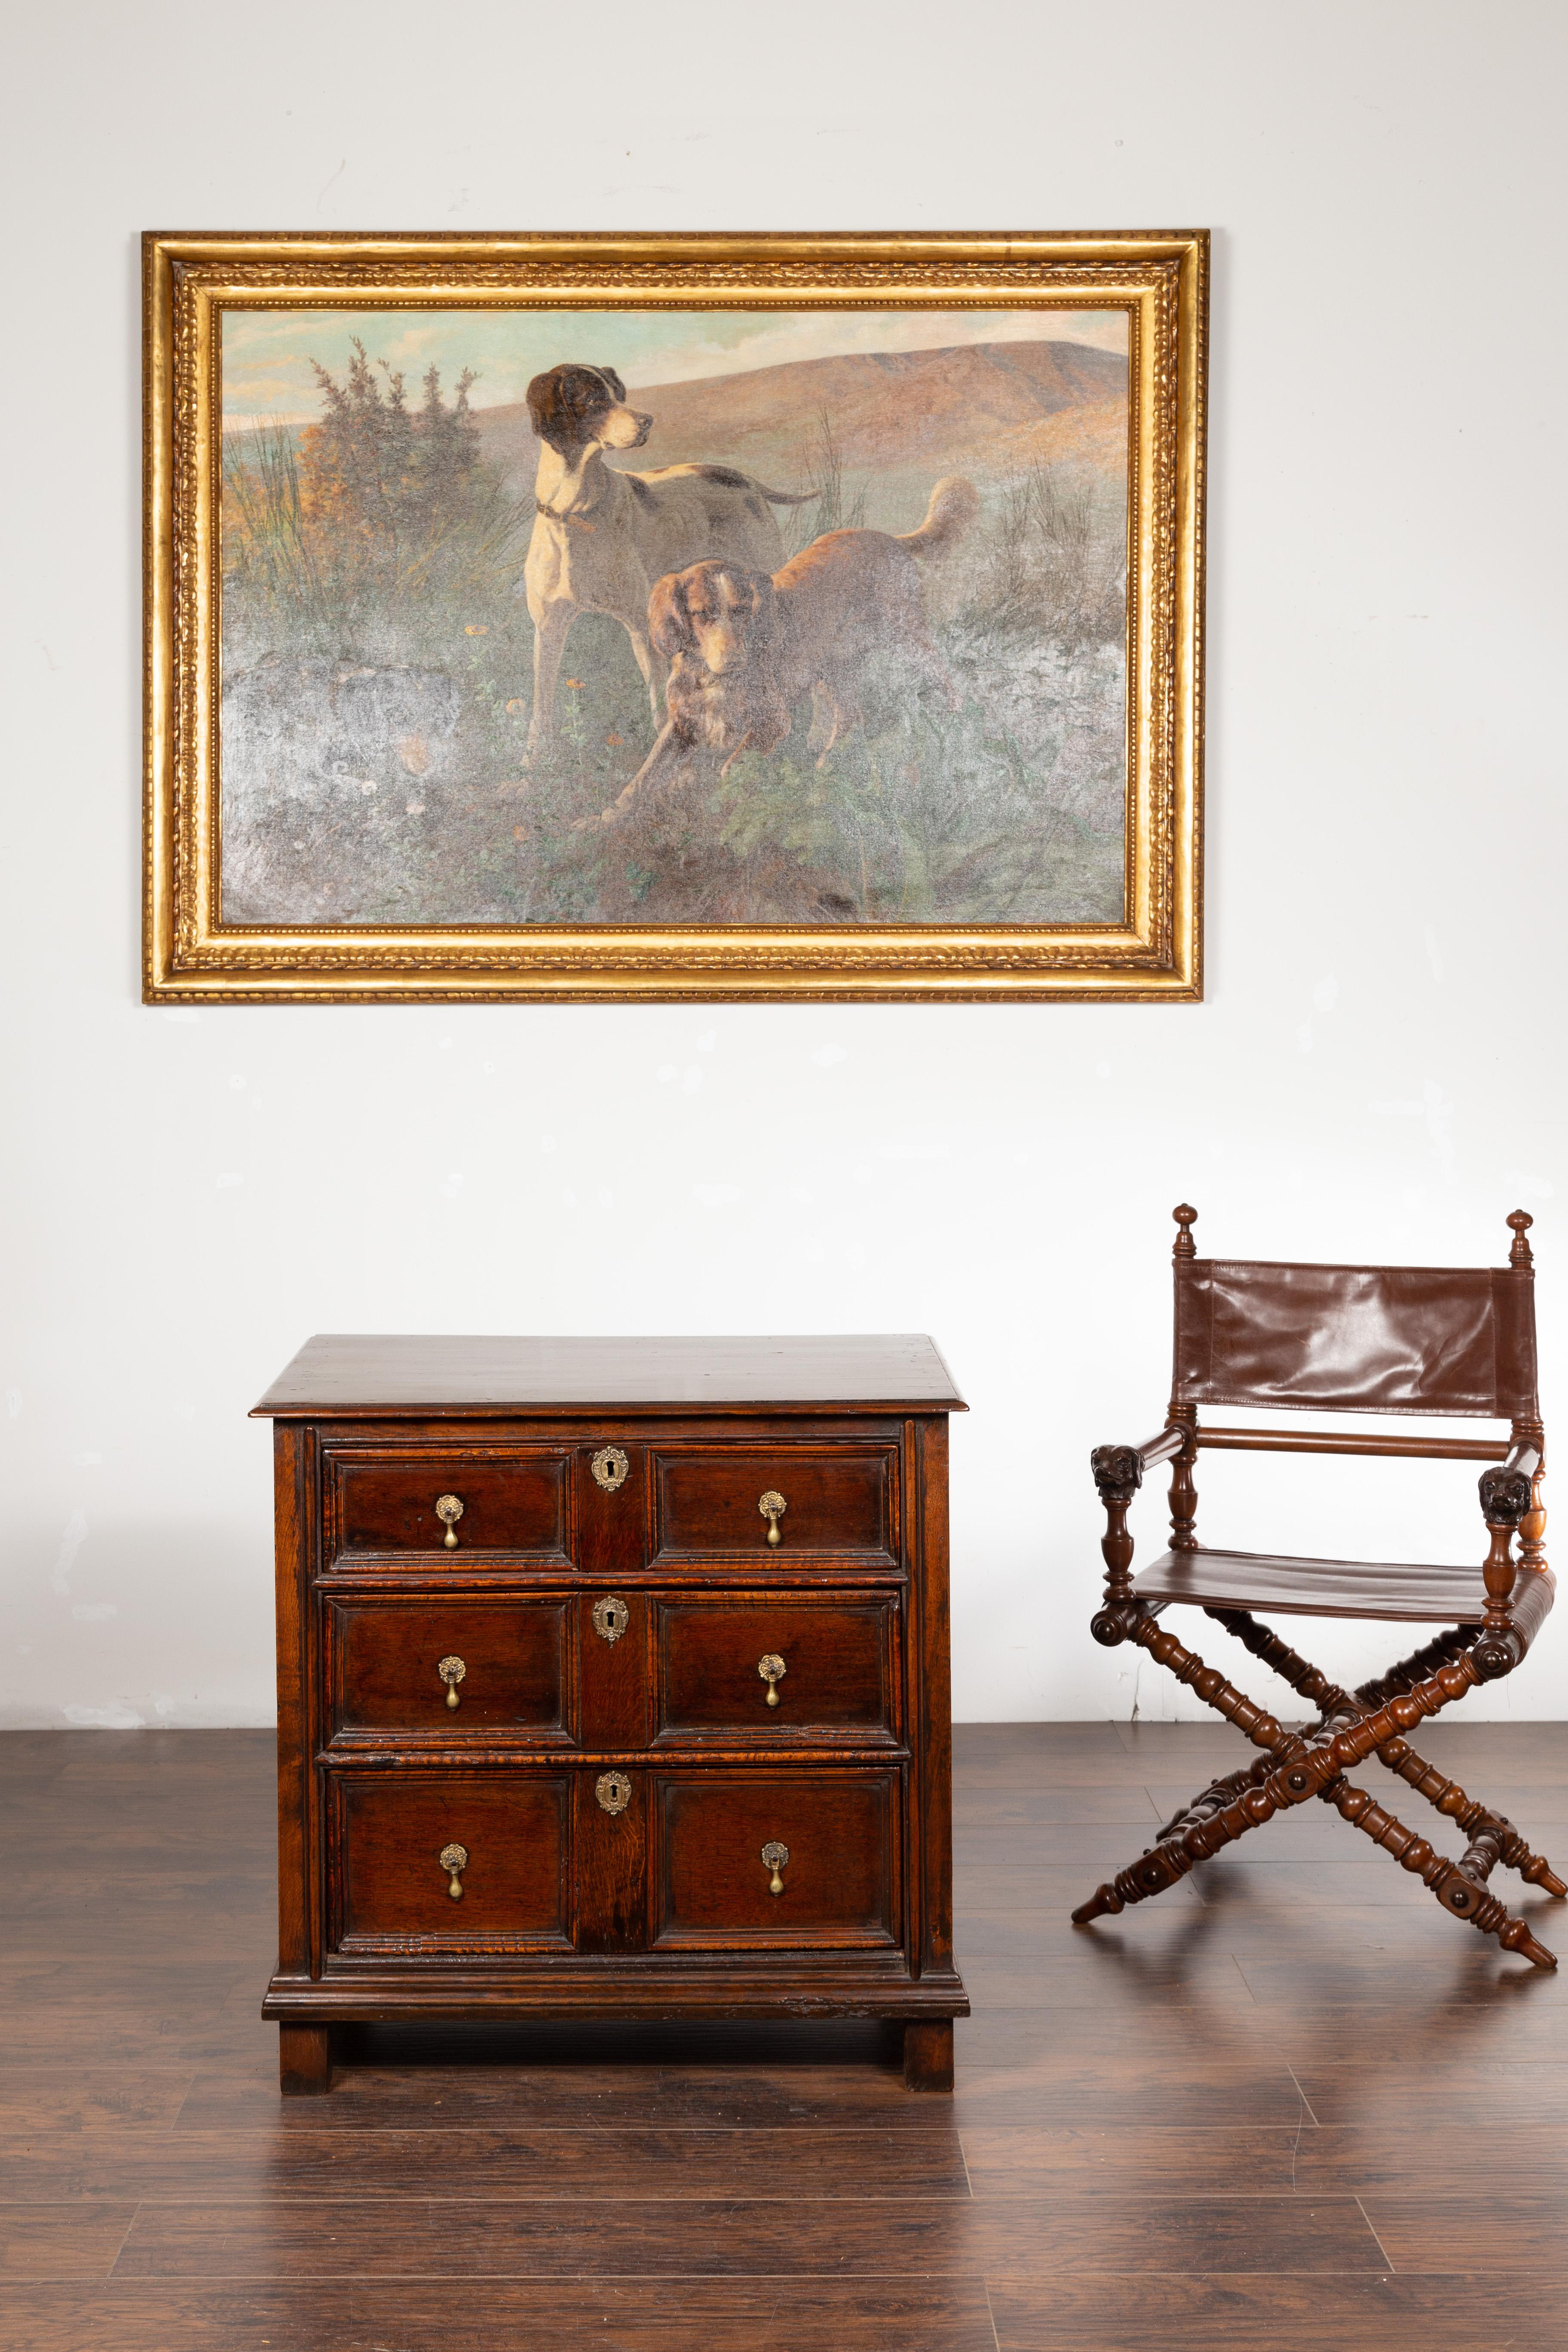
(778, 1503)
(448, 1504)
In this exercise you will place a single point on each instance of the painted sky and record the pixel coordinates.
(267, 354)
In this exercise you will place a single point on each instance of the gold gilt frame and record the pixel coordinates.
(191, 956)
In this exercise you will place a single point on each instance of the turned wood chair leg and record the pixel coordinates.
(1397, 1755)
(1470, 1815)
(1459, 1886)
(1303, 1769)
(1211, 1800)
(1183, 1839)
(1291, 1667)
(1129, 1886)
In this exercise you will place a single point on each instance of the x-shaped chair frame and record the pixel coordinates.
(1349, 1727)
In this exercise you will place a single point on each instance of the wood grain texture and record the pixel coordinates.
(514, 1503)
(1351, 2314)
(490, 2314)
(350, 1377)
(475, 2164)
(383, 1655)
(737, 2237)
(837, 1879)
(1141, 2152)
(393, 1888)
(836, 1501)
(840, 1662)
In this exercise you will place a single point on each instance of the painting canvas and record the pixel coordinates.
(429, 696)
(831, 619)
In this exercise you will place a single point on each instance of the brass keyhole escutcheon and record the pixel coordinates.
(609, 1466)
(772, 1671)
(454, 1861)
(611, 1617)
(614, 1791)
(774, 1857)
(451, 1671)
(772, 1507)
(449, 1510)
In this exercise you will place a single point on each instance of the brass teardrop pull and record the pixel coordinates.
(774, 1857)
(449, 1510)
(772, 1507)
(454, 1860)
(772, 1670)
(451, 1671)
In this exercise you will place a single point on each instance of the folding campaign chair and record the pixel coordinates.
(1343, 1339)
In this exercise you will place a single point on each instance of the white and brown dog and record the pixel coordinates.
(746, 649)
(601, 538)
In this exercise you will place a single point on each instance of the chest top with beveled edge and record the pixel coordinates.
(378, 1376)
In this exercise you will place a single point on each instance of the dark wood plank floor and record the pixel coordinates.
(1288, 2104)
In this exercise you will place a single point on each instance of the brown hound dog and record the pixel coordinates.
(744, 648)
(601, 538)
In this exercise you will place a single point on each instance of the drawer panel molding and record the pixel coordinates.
(777, 1667)
(392, 1840)
(448, 1505)
(829, 1838)
(448, 1667)
(790, 1502)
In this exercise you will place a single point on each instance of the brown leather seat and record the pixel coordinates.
(1455, 1343)
(1397, 1593)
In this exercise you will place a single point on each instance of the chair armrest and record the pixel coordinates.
(1525, 1454)
(1505, 1492)
(1119, 1469)
(1501, 1488)
(1118, 1475)
(1514, 1612)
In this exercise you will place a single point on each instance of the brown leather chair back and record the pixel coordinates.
(1363, 1338)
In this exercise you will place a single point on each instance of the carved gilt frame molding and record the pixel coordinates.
(1154, 954)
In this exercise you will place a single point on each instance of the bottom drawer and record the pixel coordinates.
(394, 1840)
(772, 1858)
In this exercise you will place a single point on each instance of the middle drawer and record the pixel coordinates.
(447, 1667)
(776, 1668)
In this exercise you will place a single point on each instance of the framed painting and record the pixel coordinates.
(667, 616)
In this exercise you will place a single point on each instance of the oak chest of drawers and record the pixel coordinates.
(613, 1681)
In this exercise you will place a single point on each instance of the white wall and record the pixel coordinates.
(1374, 1073)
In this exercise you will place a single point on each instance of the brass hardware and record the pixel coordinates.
(451, 1671)
(614, 1791)
(772, 1670)
(454, 1859)
(774, 1857)
(611, 1617)
(772, 1507)
(449, 1510)
(609, 1466)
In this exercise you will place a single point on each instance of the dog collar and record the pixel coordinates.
(576, 521)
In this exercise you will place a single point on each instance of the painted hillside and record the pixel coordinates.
(898, 419)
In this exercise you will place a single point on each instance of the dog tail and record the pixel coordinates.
(954, 503)
(787, 498)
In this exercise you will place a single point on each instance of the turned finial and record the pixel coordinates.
(1520, 1253)
(1186, 1218)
